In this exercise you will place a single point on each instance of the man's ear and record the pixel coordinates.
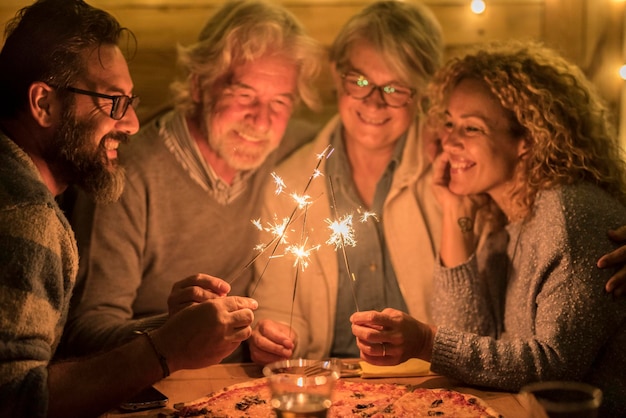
(42, 101)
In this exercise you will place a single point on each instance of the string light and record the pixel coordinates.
(622, 72)
(478, 6)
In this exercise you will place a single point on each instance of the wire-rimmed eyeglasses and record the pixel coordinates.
(120, 102)
(359, 87)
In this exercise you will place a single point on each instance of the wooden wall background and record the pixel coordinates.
(588, 32)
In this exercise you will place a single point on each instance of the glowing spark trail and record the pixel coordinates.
(342, 244)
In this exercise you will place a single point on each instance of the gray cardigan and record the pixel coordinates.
(548, 318)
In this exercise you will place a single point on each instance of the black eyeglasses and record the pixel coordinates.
(360, 88)
(120, 103)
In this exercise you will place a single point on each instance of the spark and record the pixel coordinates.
(302, 200)
(257, 224)
(280, 184)
(326, 153)
(278, 230)
(301, 254)
(366, 215)
(342, 232)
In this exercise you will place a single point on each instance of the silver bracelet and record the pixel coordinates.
(161, 357)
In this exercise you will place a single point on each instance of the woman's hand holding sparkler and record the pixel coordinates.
(271, 341)
(195, 289)
(391, 337)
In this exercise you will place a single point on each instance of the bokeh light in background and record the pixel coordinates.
(622, 72)
(478, 6)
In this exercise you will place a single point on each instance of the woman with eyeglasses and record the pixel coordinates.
(380, 61)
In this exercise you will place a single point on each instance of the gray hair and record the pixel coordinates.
(241, 32)
(407, 34)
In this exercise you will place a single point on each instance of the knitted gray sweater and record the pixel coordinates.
(550, 318)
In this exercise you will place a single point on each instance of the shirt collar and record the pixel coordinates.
(338, 164)
(180, 143)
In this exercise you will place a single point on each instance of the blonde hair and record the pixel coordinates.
(553, 106)
(241, 32)
(408, 36)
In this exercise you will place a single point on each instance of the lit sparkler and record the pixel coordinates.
(342, 231)
(344, 234)
(302, 202)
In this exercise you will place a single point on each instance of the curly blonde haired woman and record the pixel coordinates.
(527, 142)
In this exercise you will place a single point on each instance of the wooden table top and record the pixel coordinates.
(188, 385)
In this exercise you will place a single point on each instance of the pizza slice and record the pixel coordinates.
(249, 399)
(440, 403)
(363, 399)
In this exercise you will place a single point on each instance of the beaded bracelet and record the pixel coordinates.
(161, 357)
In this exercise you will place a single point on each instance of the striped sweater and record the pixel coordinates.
(38, 265)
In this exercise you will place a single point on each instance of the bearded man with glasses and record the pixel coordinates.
(67, 105)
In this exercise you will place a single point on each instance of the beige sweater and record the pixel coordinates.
(411, 227)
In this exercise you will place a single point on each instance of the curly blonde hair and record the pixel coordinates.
(553, 106)
(240, 32)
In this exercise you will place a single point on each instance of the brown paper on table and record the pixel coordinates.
(410, 368)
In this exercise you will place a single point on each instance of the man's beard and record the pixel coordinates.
(78, 160)
(238, 154)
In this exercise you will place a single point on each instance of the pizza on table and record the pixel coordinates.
(350, 399)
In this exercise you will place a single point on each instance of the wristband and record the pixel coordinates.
(161, 357)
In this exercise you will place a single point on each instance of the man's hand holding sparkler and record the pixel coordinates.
(195, 289)
(391, 337)
(214, 329)
(271, 341)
